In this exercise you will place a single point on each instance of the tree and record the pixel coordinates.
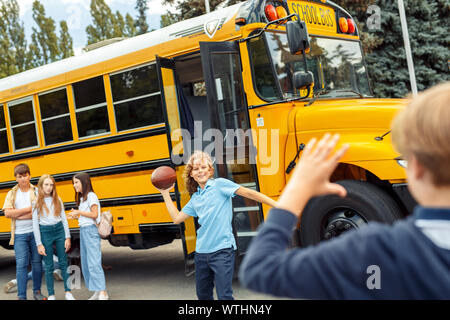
(130, 27)
(44, 38)
(191, 8)
(107, 25)
(102, 27)
(45, 47)
(13, 44)
(119, 25)
(7, 58)
(141, 21)
(168, 18)
(65, 41)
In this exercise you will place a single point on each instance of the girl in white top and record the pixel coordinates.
(50, 229)
(88, 215)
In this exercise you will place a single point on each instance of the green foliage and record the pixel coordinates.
(167, 19)
(130, 27)
(44, 36)
(141, 21)
(107, 25)
(103, 23)
(15, 54)
(187, 9)
(49, 44)
(65, 41)
(13, 44)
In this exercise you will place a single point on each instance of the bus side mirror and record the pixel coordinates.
(297, 36)
(303, 80)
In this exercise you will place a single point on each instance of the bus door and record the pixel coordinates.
(168, 87)
(234, 151)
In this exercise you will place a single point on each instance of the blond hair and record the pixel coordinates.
(40, 203)
(191, 184)
(422, 129)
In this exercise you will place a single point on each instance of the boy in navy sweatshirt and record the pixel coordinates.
(408, 260)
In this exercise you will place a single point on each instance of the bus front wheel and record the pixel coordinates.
(329, 216)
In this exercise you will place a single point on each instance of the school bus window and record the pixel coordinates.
(231, 105)
(340, 64)
(3, 135)
(337, 66)
(89, 92)
(23, 124)
(90, 107)
(265, 83)
(55, 117)
(136, 98)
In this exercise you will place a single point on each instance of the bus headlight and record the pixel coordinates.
(402, 163)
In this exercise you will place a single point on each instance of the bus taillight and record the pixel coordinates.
(351, 26)
(271, 12)
(281, 12)
(343, 25)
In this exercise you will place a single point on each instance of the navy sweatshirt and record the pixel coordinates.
(408, 260)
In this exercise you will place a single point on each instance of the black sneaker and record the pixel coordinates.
(38, 296)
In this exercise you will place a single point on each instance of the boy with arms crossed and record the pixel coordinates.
(17, 207)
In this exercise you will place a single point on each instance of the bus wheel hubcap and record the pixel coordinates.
(340, 221)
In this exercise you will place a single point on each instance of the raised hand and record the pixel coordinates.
(311, 176)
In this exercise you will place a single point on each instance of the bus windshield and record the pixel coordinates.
(337, 65)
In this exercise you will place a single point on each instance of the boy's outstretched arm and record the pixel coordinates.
(176, 215)
(255, 195)
(299, 273)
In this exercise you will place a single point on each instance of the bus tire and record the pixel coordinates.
(327, 217)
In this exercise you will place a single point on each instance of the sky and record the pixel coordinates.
(78, 17)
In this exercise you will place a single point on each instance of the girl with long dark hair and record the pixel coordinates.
(88, 215)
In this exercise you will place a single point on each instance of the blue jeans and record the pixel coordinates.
(26, 251)
(214, 268)
(91, 258)
(30, 274)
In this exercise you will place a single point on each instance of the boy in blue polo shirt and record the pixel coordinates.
(211, 203)
(408, 260)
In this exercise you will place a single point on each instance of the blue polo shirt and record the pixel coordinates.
(213, 207)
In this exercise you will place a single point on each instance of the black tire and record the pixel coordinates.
(329, 216)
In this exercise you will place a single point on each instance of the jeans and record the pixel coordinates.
(214, 268)
(54, 234)
(91, 258)
(26, 251)
(30, 274)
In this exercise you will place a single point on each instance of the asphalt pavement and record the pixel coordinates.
(152, 274)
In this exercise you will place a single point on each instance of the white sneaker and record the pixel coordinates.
(69, 296)
(10, 286)
(52, 297)
(57, 275)
(95, 296)
(103, 297)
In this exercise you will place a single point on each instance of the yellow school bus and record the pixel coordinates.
(225, 82)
